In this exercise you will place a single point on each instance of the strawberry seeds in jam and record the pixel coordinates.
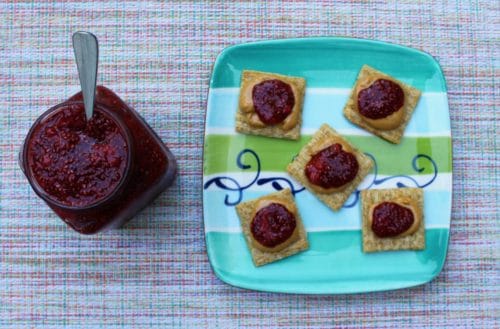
(75, 161)
(380, 99)
(390, 219)
(332, 167)
(273, 101)
(273, 225)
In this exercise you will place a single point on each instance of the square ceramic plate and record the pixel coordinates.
(241, 167)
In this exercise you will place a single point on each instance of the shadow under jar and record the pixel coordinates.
(96, 174)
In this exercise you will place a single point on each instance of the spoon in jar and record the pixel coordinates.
(86, 54)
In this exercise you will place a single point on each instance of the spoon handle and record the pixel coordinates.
(86, 54)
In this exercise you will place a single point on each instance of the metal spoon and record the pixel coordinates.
(86, 54)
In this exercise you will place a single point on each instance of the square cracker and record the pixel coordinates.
(245, 212)
(367, 76)
(371, 242)
(248, 80)
(296, 168)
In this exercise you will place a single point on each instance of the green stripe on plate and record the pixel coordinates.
(275, 154)
(328, 62)
(334, 263)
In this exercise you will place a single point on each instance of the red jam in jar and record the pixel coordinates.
(78, 163)
(96, 174)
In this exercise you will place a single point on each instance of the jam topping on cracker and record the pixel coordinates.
(381, 99)
(332, 167)
(273, 225)
(273, 101)
(390, 219)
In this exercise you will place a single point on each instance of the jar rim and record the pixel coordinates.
(100, 202)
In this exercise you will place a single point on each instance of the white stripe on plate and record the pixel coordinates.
(312, 91)
(324, 105)
(315, 215)
(315, 229)
(345, 132)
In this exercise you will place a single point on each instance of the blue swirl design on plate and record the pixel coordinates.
(354, 198)
(230, 184)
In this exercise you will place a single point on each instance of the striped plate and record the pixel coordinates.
(239, 167)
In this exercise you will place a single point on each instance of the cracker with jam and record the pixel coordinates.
(330, 167)
(270, 105)
(272, 227)
(393, 219)
(381, 104)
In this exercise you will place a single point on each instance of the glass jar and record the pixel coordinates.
(96, 175)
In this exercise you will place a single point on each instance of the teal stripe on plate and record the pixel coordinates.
(314, 213)
(326, 105)
(328, 62)
(334, 263)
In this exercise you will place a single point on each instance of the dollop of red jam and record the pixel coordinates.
(76, 162)
(391, 219)
(273, 101)
(381, 99)
(273, 225)
(332, 167)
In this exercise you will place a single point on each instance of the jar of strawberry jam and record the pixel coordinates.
(95, 174)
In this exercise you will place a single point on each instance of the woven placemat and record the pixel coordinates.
(158, 57)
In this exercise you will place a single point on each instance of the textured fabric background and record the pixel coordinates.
(158, 57)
